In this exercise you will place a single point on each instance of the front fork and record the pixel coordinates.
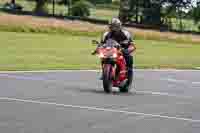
(112, 63)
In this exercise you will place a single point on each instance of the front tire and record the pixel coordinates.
(107, 78)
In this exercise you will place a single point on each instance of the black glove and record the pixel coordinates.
(94, 52)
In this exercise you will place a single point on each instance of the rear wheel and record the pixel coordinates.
(107, 78)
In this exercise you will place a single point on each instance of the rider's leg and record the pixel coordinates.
(129, 63)
(101, 77)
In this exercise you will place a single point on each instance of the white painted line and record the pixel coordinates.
(48, 71)
(196, 83)
(164, 94)
(168, 70)
(100, 109)
(97, 70)
(179, 81)
(114, 89)
(173, 80)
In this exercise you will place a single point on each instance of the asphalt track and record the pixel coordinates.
(74, 101)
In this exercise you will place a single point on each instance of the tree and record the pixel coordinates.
(196, 13)
(134, 9)
(100, 1)
(81, 8)
(151, 11)
(124, 10)
(13, 2)
(41, 7)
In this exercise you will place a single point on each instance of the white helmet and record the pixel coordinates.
(115, 24)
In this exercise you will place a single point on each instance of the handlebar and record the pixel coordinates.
(117, 45)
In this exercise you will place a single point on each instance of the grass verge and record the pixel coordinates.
(22, 51)
(50, 25)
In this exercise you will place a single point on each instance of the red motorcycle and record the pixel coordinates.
(114, 68)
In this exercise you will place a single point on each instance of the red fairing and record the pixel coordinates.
(120, 62)
(122, 65)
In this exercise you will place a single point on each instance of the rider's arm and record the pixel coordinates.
(131, 47)
(104, 37)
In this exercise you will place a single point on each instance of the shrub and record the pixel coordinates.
(41, 7)
(116, 2)
(81, 8)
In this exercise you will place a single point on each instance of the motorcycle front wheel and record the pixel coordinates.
(107, 78)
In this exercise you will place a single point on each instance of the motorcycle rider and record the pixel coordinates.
(124, 38)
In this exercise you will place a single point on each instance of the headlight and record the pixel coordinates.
(114, 55)
(101, 55)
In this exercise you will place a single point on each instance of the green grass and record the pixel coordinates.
(140, 35)
(105, 14)
(187, 25)
(163, 54)
(46, 30)
(20, 51)
(108, 6)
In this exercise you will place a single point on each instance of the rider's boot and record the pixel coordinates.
(101, 77)
(129, 83)
(130, 79)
